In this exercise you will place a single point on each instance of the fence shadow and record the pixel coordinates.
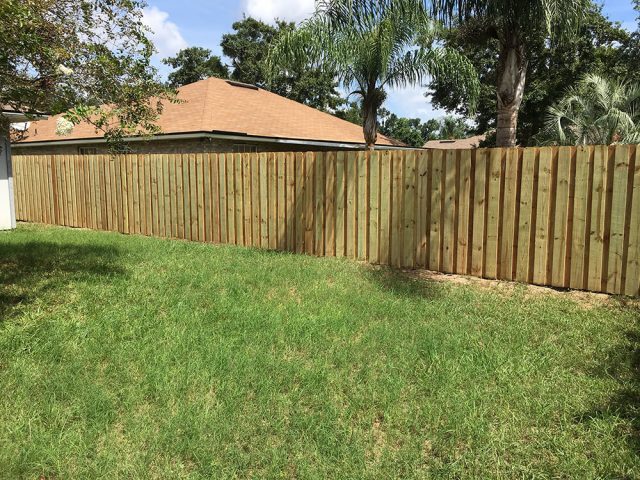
(402, 283)
(28, 271)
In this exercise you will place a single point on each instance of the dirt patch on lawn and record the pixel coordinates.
(585, 299)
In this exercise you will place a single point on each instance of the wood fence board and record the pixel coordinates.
(230, 197)
(263, 198)
(74, 194)
(222, 198)
(299, 202)
(385, 207)
(179, 195)
(435, 246)
(207, 227)
(618, 217)
(632, 278)
(596, 231)
(409, 202)
(542, 230)
(362, 205)
(290, 213)
(172, 196)
(509, 226)
(37, 194)
(581, 234)
(422, 192)
(255, 199)
(107, 194)
(479, 212)
(449, 224)
(526, 217)
(272, 194)
(282, 201)
(330, 204)
(48, 188)
(374, 207)
(117, 198)
(492, 257)
(309, 166)
(115, 193)
(202, 183)
(128, 168)
(31, 201)
(44, 185)
(149, 162)
(194, 201)
(464, 211)
(240, 183)
(319, 198)
(561, 219)
(28, 183)
(397, 209)
(70, 196)
(153, 182)
(352, 214)
(74, 191)
(95, 176)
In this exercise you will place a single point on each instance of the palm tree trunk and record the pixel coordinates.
(370, 121)
(512, 72)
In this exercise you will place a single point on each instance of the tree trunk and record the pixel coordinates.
(371, 102)
(370, 121)
(512, 72)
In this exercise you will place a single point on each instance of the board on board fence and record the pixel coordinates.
(559, 216)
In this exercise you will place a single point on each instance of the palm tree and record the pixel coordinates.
(517, 25)
(373, 45)
(597, 111)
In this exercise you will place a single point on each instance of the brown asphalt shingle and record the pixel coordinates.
(216, 105)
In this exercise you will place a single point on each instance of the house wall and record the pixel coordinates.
(7, 211)
(196, 145)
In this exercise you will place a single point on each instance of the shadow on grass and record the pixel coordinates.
(30, 270)
(403, 283)
(623, 364)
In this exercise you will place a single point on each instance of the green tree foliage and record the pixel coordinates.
(407, 130)
(415, 133)
(351, 112)
(630, 50)
(92, 55)
(597, 111)
(247, 48)
(514, 30)
(550, 69)
(372, 46)
(193, 64)
(451, 127)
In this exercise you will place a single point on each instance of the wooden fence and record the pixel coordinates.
(567, 217)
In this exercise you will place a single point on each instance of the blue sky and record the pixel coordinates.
(178, 24)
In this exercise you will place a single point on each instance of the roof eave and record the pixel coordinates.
(213, 135)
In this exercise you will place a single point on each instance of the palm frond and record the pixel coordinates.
(597, 111)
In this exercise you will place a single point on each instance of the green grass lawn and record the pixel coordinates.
(132, 357)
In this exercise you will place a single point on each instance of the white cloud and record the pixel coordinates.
(165, 34)
(268, 10)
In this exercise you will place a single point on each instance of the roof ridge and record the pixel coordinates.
(205, 104)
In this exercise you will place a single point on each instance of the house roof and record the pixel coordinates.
(16, 115)
(224, 107)
(455, 144)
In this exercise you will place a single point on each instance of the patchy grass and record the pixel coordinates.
(131, 357)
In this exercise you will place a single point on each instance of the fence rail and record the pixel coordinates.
(566, 217)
